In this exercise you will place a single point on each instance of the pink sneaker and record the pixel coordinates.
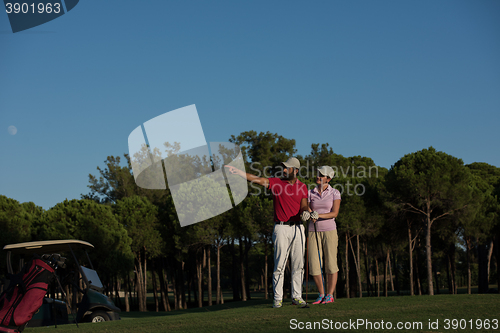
(319, 300)
(328, 299)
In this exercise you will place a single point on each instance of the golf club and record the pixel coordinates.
(319, 257)
(305, 306)
(307, 263)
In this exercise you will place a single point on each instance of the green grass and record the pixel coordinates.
(259, 316)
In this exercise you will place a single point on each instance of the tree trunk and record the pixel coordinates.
(145, 284)
(248, 246)
(386, 267)
(127, 289)
(356, 257)
(218, 301)
(452, 280)
(410, 252)
(266, 287)
(340, 289)
(190, 285)
(234, 273)
(469, 276)
(390, 271)
(367, 270)
(118, 285)
(482, 258)
(353, 272)
(417, 275)
(199, 276)
(358, 269)
(454, 271)
(133, 293)
(448, 274)
(155, 291)
(428, 249)
(497, 257)
(436, 276)
(183, 287)
(490, 254)
(141, 294)
(163, 288)
(137, 286)
(377, 279)
(242, 273)
(348, 291)
(176, 289)
(209, 278)
(396, 275)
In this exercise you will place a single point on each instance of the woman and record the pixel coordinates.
(324, 204)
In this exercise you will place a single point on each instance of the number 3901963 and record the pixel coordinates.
(32, 8)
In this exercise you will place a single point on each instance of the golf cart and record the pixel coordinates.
(94, 305)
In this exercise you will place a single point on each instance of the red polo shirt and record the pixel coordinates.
(286, 199)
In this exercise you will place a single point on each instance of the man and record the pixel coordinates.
(290, 205)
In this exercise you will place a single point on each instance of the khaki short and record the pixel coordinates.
(328, 242)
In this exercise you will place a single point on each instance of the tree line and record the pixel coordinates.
(427, 225)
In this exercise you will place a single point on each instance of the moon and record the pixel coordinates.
(12, 130)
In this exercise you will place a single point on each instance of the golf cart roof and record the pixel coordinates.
(49, 246)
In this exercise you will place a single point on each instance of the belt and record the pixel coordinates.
(290, 223)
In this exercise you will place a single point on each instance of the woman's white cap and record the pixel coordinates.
(326, 171)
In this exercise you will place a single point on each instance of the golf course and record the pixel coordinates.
(439, 313)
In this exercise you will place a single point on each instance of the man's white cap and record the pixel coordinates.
(326, 171)
(292, 163)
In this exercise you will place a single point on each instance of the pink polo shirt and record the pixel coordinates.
(323, 203)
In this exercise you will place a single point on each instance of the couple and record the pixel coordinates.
(293, 202)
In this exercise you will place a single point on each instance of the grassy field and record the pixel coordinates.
(412, 314)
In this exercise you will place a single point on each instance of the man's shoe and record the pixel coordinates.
(319, 299)
(328, 299)
(277, 303)
(298, 301)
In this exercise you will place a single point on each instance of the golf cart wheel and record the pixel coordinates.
(98, 317)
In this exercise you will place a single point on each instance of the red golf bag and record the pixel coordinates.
(24, 295)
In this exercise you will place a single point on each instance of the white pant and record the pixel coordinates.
(288, 240)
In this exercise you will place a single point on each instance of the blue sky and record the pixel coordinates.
(374, 78)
